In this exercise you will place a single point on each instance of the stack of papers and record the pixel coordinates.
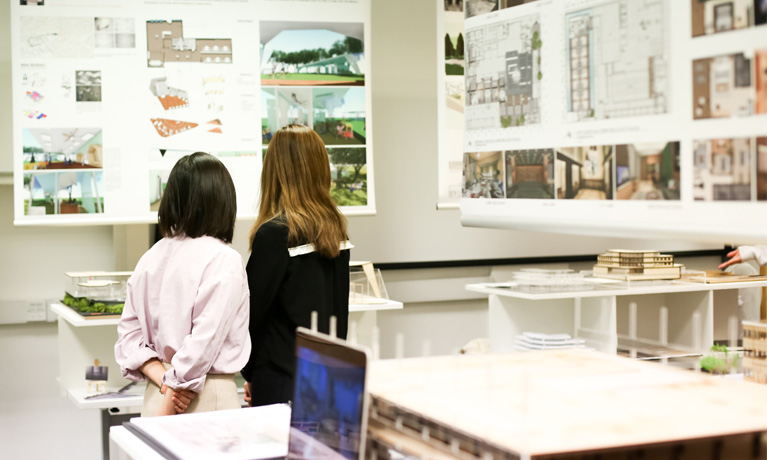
(529, 341)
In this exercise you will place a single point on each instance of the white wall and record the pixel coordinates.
(36, 423)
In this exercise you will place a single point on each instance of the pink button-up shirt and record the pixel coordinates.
(188, 305)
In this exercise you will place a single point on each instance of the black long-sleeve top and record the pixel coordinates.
(284, 291)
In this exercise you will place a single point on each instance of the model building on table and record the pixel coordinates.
(755, 351)
(631, 265)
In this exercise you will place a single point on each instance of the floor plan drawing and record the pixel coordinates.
(165, 42)
(617, 60)
(503, 76)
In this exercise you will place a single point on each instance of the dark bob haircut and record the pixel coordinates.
(199, 199)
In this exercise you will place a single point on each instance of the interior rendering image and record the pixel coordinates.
(530, 173)
(714, 16)
(722, 169)
(483, 175)
(722, 87)
(62, 148)
(647, 171)
(761, 168)
(585, 173)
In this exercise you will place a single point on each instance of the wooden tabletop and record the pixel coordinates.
(568, 401)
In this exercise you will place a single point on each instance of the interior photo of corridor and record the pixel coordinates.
(585, 173)
(482, 175)
(647, 171)
(530, 173)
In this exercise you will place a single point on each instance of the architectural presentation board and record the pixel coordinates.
(108, 95)
(450, 101)
(637, 118)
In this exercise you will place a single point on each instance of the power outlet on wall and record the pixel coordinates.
(36, 310)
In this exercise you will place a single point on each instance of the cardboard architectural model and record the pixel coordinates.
(637, 265)
(755, 351)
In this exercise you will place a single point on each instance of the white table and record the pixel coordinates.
(601, 315)
(82, 340)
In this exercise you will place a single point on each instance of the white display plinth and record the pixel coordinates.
(600, 315)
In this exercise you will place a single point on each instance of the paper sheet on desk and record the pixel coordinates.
(239, 434)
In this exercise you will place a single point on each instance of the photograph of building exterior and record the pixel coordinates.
(339, 115)
(454, 48)
(722, 87)
(585, 173)
(617, 60)
(530, 173)
(312, 53)
(722, 169)
(348, 174)
(714, 16)
(115, 32)
(483, 175)
(88, 86)
(647, 171)
(165, 42)
(64, 192)
(476, 7)
(503, 76)
(510, 3)
(454, 5)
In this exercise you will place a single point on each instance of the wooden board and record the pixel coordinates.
(715, 276)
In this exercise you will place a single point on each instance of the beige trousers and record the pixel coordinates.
(219, 393)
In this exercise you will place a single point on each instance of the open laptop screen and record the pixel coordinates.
(328, 419)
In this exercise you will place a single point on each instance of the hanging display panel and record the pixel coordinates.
(616, 117)
(108, 95)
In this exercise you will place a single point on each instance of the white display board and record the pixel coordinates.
(450, 101)
(108, 95)
(617, 117)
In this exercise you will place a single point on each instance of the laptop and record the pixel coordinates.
(328, 419)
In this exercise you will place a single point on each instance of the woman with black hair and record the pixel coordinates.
(184, 327)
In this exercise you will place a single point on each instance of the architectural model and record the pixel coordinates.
(564, 404)
(755, 351)
(637, 265)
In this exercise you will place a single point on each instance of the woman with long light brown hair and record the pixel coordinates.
(299, 261)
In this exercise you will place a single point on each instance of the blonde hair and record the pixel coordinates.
(295, 185)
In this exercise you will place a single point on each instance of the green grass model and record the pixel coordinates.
(84, 305)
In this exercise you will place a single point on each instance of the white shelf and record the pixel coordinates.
(385, 305)
(77, 320)
(134, 398)
(609, 290)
